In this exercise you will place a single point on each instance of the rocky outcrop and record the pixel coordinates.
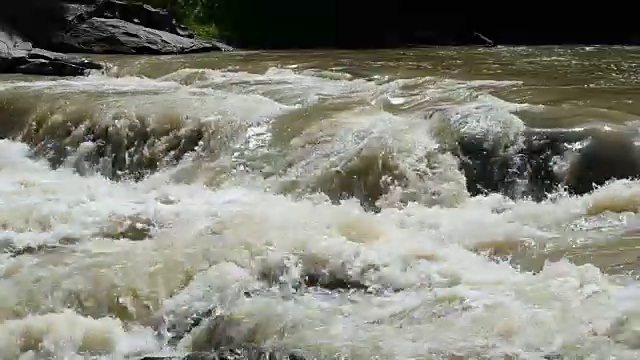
(100, 35)
(87, 26)
(78, 11)
(120, 27)
(19, 56)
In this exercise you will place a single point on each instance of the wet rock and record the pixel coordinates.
(316, 274)
(135, 13)
(227, 337)
(553, 357)
(243, 353)
(30, 249)
(516, 171)
(539, 163)
(19, 56)
(484, 165)
(127, 146)
(331, 282)
(178, 330)
(100, 35)
(221, 332)
(529, 169)
(608, 155)
(134, 228)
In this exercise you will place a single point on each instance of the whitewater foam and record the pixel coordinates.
(430, 292)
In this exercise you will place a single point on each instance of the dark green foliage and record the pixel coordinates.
(284, 23)
(357, 24)
(196, 14)
(308, 24)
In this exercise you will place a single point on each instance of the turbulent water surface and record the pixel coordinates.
(309, 201)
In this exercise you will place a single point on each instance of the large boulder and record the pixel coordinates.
(140, 14)
(115, 36)
(102, 26)
(19, 56)
(121, 27)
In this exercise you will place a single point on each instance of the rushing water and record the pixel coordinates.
(257, 186)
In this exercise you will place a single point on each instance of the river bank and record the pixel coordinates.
(90, 27)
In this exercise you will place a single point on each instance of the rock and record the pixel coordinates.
(179, 329)
(139, 14)
(19, 56)
(31, 249)
(248, 352)
(99, 26)
(553, 356)
(607, 156)
(232, 338)
(221, 332)
(533, 167)
(105, 146)
(102, 35)
(133, 228)
(331, 282)
(114, 26)
(482, 163)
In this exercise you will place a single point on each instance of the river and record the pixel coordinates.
(303, 200)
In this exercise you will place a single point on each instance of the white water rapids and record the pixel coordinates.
(216, 224)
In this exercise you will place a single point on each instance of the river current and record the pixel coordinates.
(307, 201)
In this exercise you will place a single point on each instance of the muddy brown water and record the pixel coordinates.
(172, 185)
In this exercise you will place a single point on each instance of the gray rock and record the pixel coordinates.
(248, 352)
(102, 35)
(139, 14)
(97, 26)
(19, 56)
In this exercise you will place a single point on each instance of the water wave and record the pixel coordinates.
(255, 222)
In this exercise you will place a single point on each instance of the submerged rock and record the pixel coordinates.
(545, 160)
(225, 337)
(240, 353)
(30, 249)
(606, 156)
(19, 56)
(134, 228)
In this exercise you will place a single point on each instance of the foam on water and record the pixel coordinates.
(95, 83)
(486, 305)
(102, 286)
